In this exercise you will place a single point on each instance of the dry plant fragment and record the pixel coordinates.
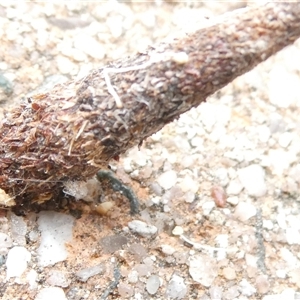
(72, 131)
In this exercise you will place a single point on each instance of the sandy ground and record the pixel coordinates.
(219, 188)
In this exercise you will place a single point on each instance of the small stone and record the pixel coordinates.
(51, 293)
(229, 273)
(5, 242)
(113, 243)
(264, 133)
(32, 277)
(176, 288)
(58, 278)
(268, 224)
(84, 274)
(231, 293)
(56, 230)
(6, 88)
(178, 230)
(293, 236)
(167, 179)
(18, 229)
(262, 284)
(246, 288)
(234, 187)
(143, 270)
(156, 189)
(167, 249)
(142, 228)
(288, 294)
(234, 200)
(16, 262)
(188, 184)
(244, 211)
(222, 176)
(285, 139)
(138, 251)
(125, 290)
(152, 284)
(284, 87)
(253, 180)
(90, 46)
(295, 276)
(203, 269)
(207, 207)
(64, 64)
(133, 276)
(280, 160)
(215, 292)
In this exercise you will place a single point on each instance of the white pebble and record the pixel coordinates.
(142, 228)
(234, 200)
(244, 211)
(16, 262)
(284, 87)
(293, 236)
(234, 187)
(246, 288)
(178, 230)
(176, 288)
(188, 184)
(285, 139)
(167, 249)
(280, 160)
(64, 64)
(253, 180)
(50, 293)
(167, 179)
(207, 207)
(90, 46)
(5, 242)
(203, 269)
(56, 230)
(152, 284)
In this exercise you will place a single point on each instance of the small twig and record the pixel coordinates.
(118, 186)
(113, 284)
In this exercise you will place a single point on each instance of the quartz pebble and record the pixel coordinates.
(176, 288)
(167, 179)
(229, 273)
(215, 292)
(5, 242)
(16, 262)
(262, 284)
(58, 278)
(253, 180)
(152, 284)
(234, 200)
(244, 211)
(142, 228)
(178, 230)
(167, 249)
(246, 288)
(113, 243)
(203, 269)
(18, 229)
(84, 274)
(234, 187)
(125, 290)
(56, 230)
(50, 293)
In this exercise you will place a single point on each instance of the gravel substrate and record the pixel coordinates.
(219, 188)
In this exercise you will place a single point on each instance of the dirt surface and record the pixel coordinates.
(218, 188)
